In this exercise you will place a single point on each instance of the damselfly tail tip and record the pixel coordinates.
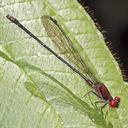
(11, 18)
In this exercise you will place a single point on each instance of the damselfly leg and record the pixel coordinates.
(96, 102)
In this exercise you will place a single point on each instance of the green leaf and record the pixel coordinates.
(39, 91)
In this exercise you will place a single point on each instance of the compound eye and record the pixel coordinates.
(113, 104)
(117, 98)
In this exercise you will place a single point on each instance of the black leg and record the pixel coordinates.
(104, 106)
(96, 102)
(101, 109)
(93, 93)
(88, 93)
(100, 101)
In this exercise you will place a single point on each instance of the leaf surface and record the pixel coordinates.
(39, 91)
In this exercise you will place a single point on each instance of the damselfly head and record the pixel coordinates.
(114, 103)
(117, 98)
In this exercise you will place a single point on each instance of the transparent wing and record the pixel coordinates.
(66, 47)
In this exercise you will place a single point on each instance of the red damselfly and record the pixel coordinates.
(64, 44)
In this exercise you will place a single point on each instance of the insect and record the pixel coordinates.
(64, 44)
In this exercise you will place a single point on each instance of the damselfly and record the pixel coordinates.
(63, 43)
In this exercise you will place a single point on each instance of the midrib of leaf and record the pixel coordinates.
(80, 105)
